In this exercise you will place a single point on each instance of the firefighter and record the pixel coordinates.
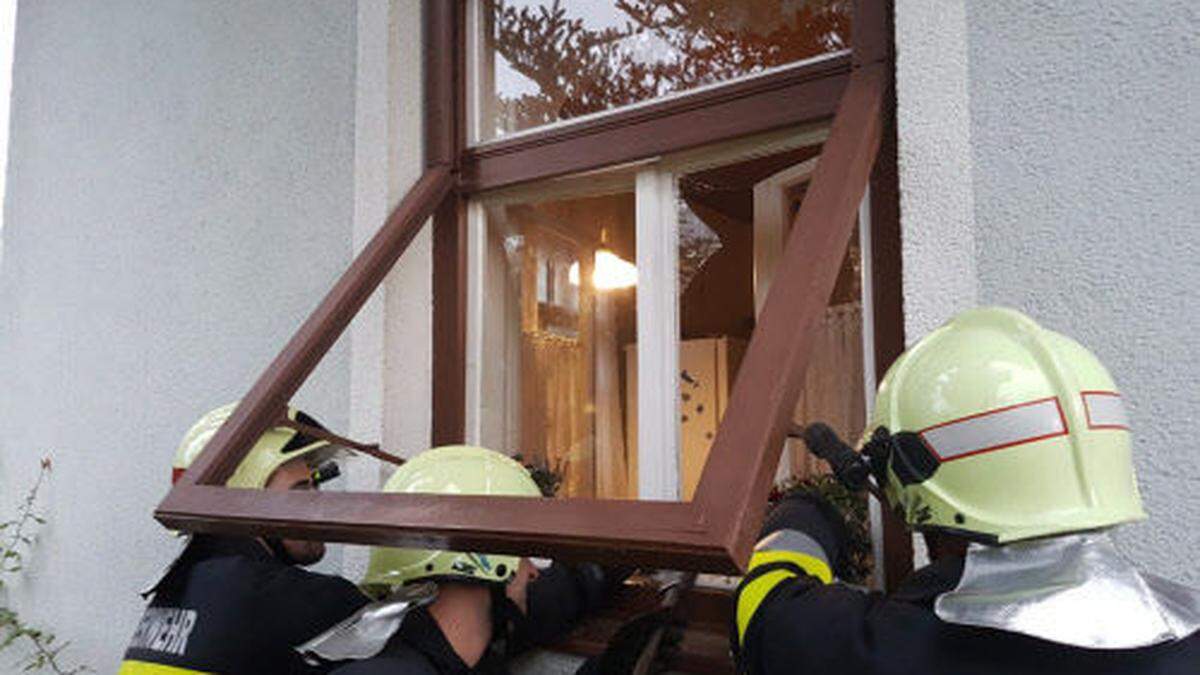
(466, 612)
(1008, 445)
(241, 604)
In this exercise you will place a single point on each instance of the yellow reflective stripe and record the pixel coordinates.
(147, 668)
(752, 594)
(809, 563)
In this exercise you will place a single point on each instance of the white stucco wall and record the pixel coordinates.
(936, 198)
(1084, 134)
(392, 335)
(181, 193)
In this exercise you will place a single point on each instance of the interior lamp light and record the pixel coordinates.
(610, 271)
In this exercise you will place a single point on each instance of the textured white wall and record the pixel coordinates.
(936, 198)
(408, 346)
(1086, 136)
(391, 336)
(1084, 140)
(180, 194)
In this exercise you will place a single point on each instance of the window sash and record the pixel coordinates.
(715, 531)
(479, 78)
(795, 95)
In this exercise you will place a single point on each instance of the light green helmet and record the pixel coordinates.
(454, 469)
(275, 447)
(1014, 432)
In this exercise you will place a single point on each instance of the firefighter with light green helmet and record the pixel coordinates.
(458, 469)
(1008, 446)
(462, 611)
(1003, 430)
(208, 608)
(277, 446)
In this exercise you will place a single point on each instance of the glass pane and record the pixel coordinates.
(558, 324)
(542, 61)
(726, 247)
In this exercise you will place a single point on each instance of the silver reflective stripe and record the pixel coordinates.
(794, 541)
(996, 429)
(1105, 410)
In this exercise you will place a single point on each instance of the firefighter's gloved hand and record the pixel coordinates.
(598, 584)
(803, 539)
(804, 523)
(559, 597)
(626, 648)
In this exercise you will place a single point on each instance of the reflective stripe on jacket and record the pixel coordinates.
(800, 625)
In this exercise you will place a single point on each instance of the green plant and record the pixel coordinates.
(548, 479)
(853, 505)
(17, 536)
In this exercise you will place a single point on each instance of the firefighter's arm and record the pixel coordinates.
(558, 598)
(402, 660)
(297, 605)
(785, 597)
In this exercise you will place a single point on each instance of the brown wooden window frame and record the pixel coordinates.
(713, 532)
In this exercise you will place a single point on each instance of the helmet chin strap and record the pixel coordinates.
(506, 616)
(322, 473)
(275, 545)
(852, 469)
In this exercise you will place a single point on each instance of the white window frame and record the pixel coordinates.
(658, 334)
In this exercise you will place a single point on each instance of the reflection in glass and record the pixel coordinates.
(541, 61)
(721, 219)
(558, 310)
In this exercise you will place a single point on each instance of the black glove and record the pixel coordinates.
(626, 647)
(812, 514)
(559, 598)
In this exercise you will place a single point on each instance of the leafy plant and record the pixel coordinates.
(853, 506)
(17, 536)
(548, 480)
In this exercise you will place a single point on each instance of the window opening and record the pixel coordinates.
(713, 532)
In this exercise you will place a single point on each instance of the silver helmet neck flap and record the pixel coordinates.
(1075, 589)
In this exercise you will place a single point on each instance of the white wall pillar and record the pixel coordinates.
(408, 355)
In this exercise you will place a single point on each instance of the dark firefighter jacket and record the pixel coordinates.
(803, 626)
(418, 648)
(229, 606)
(557, 599)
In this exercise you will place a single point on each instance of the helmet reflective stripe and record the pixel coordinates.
(1105, 410)
(992, 379)
(996, 429)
